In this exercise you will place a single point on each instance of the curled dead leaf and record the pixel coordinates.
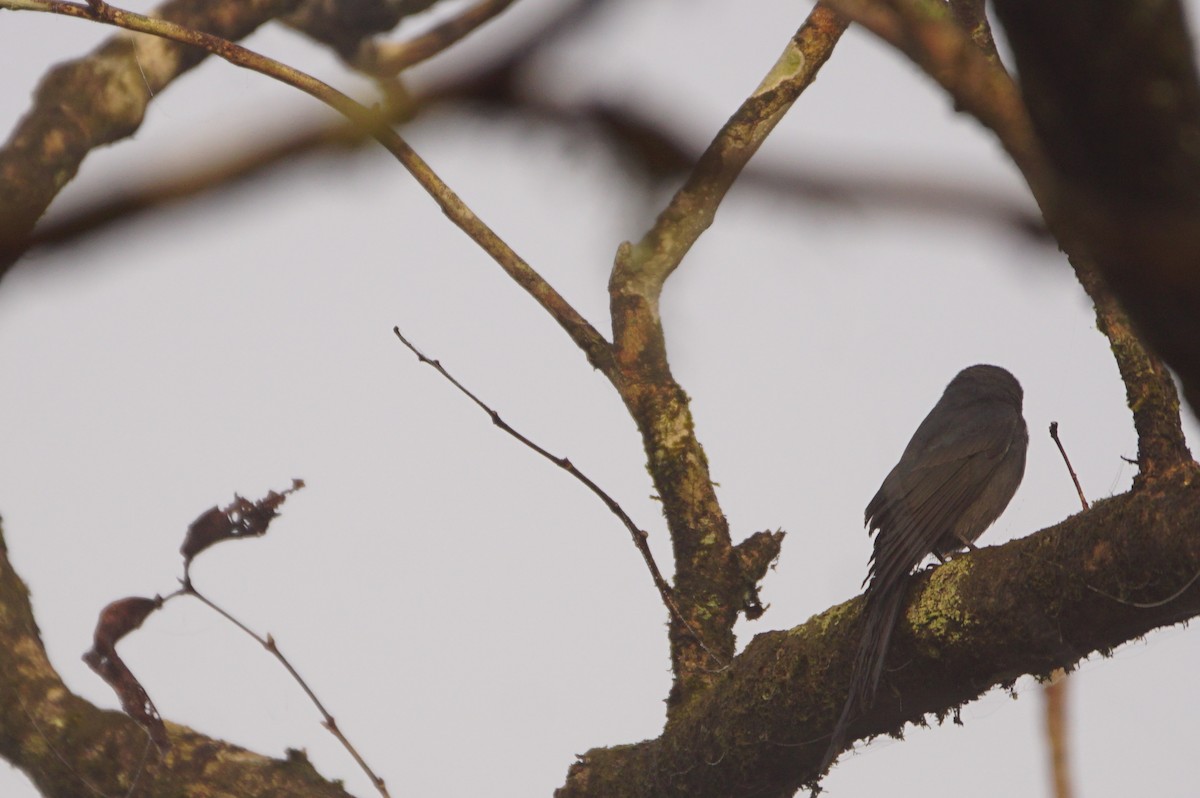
(117, 620)
(242, 518)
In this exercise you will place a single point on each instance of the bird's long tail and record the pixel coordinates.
(884, 600)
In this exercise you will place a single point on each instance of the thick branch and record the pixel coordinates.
(69, 747)
(99, 99)
(709, 581)
(1027, 607)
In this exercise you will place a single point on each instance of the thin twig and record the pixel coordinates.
(269, 644)
(1055, 692)
(1078, 488)
(1147, 605)
(388, 59)
(585, 336)
(640, 537)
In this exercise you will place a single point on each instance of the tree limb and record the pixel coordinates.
(1026, 607)
(99, 99)
(388, 59)
(709, 581)
(692, 209)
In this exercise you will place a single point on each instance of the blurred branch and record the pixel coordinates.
(652, 156)
(345, 24)
(979, 85)
(122, 203)
(1055, 696)
(709, 578)
(126, 203)
(388, 59)
(99, 99)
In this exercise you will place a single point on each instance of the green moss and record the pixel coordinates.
(938, 612)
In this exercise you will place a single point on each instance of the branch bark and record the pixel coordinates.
(100, 99)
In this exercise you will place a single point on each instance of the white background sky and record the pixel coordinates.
(472, 616)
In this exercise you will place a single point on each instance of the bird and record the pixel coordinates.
(956, 476)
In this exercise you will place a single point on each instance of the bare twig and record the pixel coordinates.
(1055, 693)
(640, 537)
(586, 337)
(1148, 605)
(1078, 488)
(391, 58)
(269, 644)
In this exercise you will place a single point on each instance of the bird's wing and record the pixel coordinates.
(942, 473)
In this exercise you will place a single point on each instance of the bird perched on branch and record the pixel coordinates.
(955, 478)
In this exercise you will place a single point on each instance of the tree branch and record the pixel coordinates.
(692, 209)
(651, 154)
(709, 581)
(99, 99)
(388, 59)
(1027, 607)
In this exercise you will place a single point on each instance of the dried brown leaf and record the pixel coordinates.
(242, 518)
(117, 620)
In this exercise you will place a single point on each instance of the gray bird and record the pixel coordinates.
(955, 478)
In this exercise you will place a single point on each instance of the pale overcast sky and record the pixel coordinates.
(472, 616)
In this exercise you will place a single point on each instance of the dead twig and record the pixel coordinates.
(640, 537)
